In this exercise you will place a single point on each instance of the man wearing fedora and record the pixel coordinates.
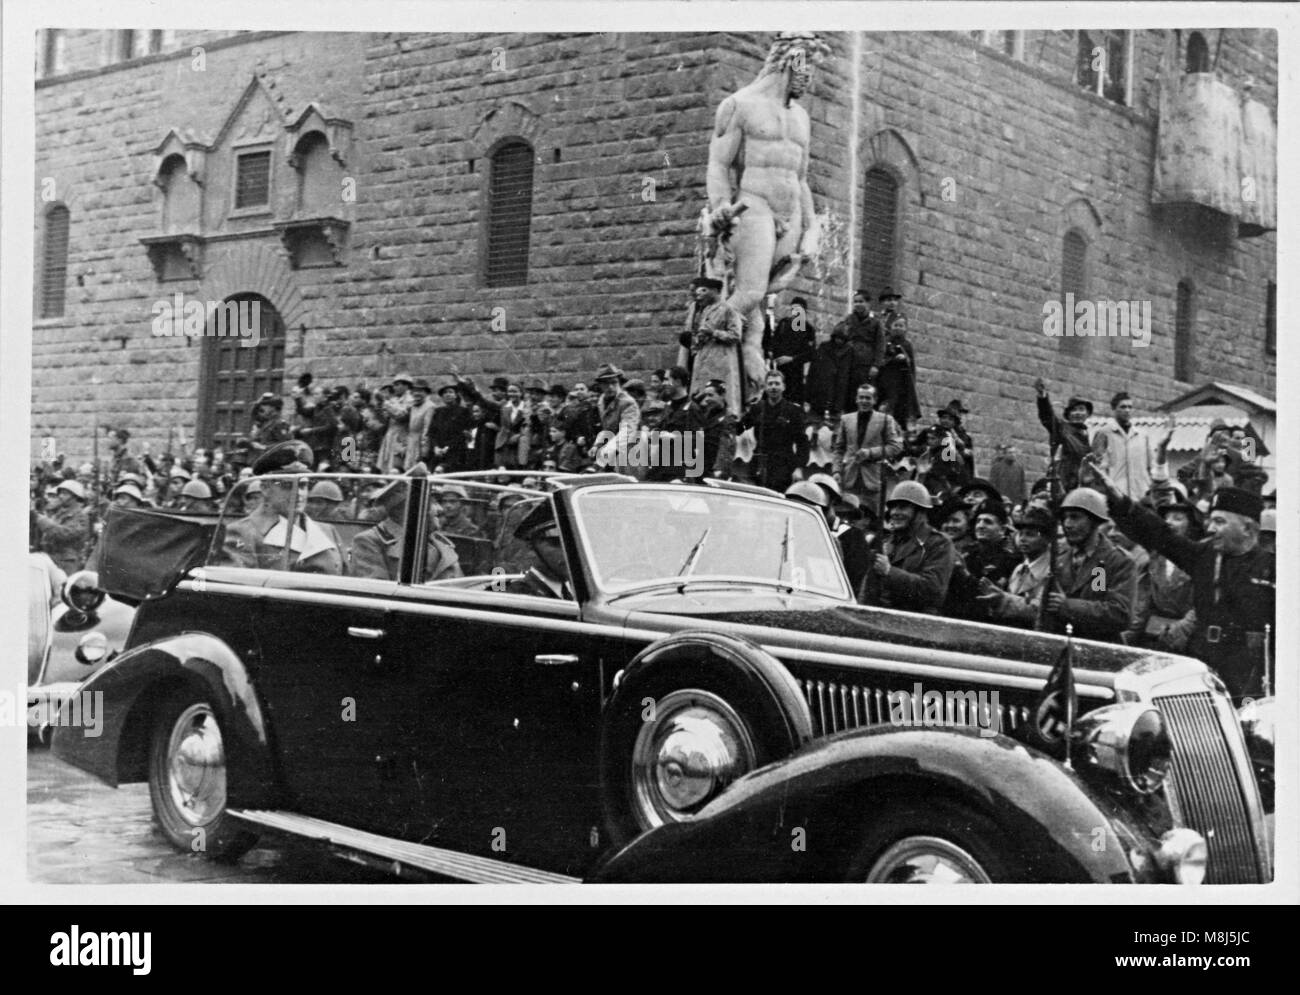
(397, 412)
(1068, 436)
(1233, 578)
(617, 413)
(265, 539)
(716, 345)
(418, 426)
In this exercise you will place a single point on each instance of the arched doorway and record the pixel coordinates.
(238, 366)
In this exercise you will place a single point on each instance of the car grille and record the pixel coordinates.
(836, 707)
(1208, 788)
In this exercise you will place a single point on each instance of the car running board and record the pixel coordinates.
(397, 856)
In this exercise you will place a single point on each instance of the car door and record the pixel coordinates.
(324, 669)
(501, 724)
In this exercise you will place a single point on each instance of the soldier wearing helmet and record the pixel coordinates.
(65, 527)
(822, 491)
(915, 563)
(197, 496)
(1093, 586)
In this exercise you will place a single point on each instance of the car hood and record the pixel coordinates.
(809, 615)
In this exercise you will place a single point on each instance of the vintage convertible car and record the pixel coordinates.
(702, 700)
(73, 629)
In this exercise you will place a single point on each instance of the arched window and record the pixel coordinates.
(1198, 54)
(879, 230)
(238, 366)
(1184, 332)
(318, 176)
(54, 262)
(1074, 286)
(509, 214)
(180, 196)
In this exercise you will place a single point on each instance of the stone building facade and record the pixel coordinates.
(345, 182)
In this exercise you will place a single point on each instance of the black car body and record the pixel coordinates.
(727, 714)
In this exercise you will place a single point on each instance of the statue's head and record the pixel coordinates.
(795, 52)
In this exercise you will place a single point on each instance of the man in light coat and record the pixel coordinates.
(1123, 451)
(864, 441)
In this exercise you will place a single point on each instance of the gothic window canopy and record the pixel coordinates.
(337, 132)
(189, 147)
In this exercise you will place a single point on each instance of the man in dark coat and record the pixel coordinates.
(1068, 436)
(865, 331)
(267, 429)
(1093, 586)
(681, 422)
(912, 570)
(780, 442)
(831, 387)
(1233, 581)
(449, 426)
(791, 346)
(896, 382)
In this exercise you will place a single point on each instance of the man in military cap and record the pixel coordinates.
(1232, 580)
(716, 346)
(129, 495)
(911, 568)
(377, 552)
(196, 496)
(65, 526)
(264, 539)
(267, 429)
(548, 577)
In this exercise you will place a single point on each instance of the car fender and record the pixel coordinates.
(801, 818)
(761, 671)
(127, 692)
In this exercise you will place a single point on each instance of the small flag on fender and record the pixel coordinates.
(1057, 704)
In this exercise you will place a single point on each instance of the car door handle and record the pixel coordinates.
(554, 659)
(357, 632)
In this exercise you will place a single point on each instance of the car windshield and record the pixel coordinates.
(638, 536)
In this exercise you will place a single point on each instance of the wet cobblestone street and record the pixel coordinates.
(80, 831)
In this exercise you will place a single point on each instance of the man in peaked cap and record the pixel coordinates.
(265, 540)
(1233, 580)
(548, 577)
(377, 552)
(1018, 604)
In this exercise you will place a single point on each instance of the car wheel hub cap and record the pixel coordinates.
(196, 766)
(927, 860)
(694, 745)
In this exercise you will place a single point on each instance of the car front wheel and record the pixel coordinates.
(940, 843)
(187, 781)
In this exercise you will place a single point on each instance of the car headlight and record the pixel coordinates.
(1182, 855)
(81, 592)
(1127, 742)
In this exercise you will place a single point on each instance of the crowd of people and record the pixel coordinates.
(837, 424)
